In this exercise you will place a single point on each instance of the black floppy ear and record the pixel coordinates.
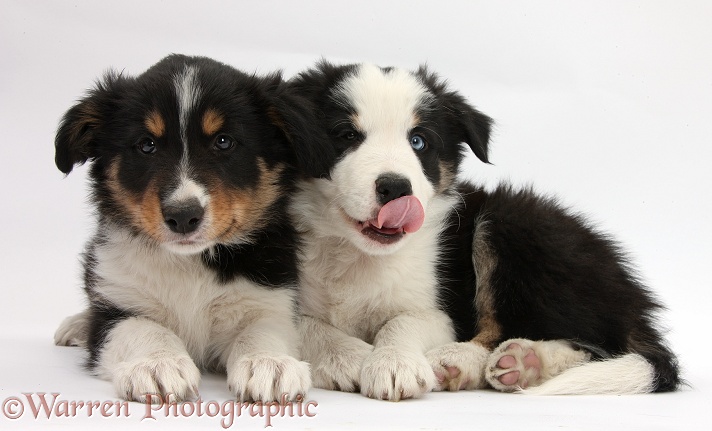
(298, 118)
(80, 127)
(474, 126)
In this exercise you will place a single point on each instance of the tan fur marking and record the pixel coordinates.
(212, 122)
(236, 213)
(155, 124)
(447, 176)
(356, 121)
(489, 331)
(144, 210)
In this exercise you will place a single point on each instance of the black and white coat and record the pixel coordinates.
(457, 303)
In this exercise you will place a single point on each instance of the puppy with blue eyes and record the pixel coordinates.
(193, 264)
(371, 218)
(412, 282)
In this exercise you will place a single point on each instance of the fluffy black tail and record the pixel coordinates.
(665, 366)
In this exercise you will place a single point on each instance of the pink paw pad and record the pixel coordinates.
(524, 364)
(453, 371)
(448, 381)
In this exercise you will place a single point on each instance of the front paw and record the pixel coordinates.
(340, 368)
(458, 366)
(267, 378)
(393, 374)
(157, 380)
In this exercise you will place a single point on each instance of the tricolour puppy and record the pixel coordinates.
(193, 264)
(408, 280)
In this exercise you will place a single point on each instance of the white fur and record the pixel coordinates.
(385, 106)
(188, 93)
(459, 366)
(188, 189)
(73, 330)
(191, 319)
(624, 375)
(371, 309)
(565, 370)
(183, 318)
(144, 359)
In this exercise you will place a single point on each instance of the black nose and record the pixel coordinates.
(392, 186)
(183, 217)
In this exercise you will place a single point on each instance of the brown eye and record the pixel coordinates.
(146, 146)
(224, 142)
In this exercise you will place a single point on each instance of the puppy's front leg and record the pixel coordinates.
(459, 366)
(143, 358)
(397, 368)
(336, 357)
(262, 362)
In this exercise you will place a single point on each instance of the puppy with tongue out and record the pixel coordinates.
(402, 215)
(377, 193)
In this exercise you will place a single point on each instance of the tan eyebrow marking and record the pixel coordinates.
(212, 121)
(155, 124)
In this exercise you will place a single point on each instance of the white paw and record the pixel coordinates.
(340, 368)
(520, 363)
(514, 365)
(392, 374)
(174, 379)
(73, 330)
(268, 378)
(458, 366)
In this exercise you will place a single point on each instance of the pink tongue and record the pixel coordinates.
(403, 213)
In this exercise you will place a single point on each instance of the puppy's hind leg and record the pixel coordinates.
(462, 365)
(519, 364)
(73, 330)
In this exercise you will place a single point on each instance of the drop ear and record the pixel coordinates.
(79, 130)
(474, 126)
(298, 119)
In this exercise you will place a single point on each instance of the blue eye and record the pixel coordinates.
(417, 142)
(224, 142)
(146, 146)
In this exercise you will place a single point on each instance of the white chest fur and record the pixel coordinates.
(181, 293)
(358, 293)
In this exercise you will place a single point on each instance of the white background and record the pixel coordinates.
(606, 104)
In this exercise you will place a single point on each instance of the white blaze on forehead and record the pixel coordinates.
(386, 106)
(383, 99)
(188, 94)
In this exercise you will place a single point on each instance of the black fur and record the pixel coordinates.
(333, 114)
(556, 277)
(107, 125)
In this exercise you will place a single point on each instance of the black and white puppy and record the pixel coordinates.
(409, 281)
(193, 265)
(371, 223)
